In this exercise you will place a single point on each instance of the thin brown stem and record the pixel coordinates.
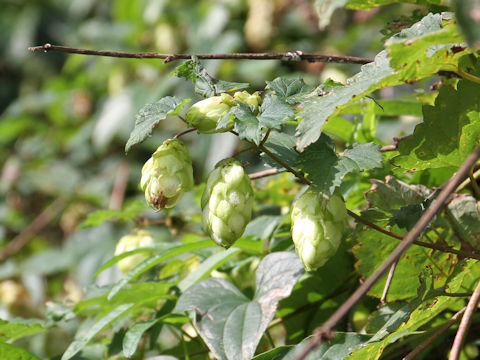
(474, 183)
(464, 324)
(434, 336)
(189, 130)
(383, 299)
(263, 173)
(22, 239)
(285, 165)
(325, 331)
(396, 142)
(288, 56)
(374, 226)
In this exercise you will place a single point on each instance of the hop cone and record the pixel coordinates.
(205, 115)
(140, 238)
(227, 202)
(318, 224)
(167, 175)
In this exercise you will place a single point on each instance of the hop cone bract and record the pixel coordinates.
(138, 239)
(205, 115)
(167, 175)
(227, 202)
(318, 224)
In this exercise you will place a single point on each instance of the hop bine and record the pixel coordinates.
(318, 224)
(227, 202)
(167, 175)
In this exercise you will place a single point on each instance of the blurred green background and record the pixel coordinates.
(65, 119)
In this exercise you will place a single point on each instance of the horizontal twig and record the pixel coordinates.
(287, 56)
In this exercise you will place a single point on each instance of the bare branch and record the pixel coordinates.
(383, 299)
(263, 173)
(288, 56)
(326, 330)
(464, 324)
(396, 141)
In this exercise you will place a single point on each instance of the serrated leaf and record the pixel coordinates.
(316, 110)
(9, 351)
(150, 115)
(416, 53)
(449, 132)
(288, 89)
(230, 324)
(465, 213)
(421, 311)
(274, 112)
(326, 169)
(407, 216)
(205, 85)
(467, 14)
(392, 194)
(283, 146)
(373, 248)
(247, 124)
(78, 344)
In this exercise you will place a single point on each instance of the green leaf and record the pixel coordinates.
(128, 213)
(421, 310)
(325, 169)
(78, 344)
(449, 132)
(316, 110)
(373, 248)
(407, 216)
(9, 351)
(157, 259)
(465, 214)
(263, 227)
(150, 115)
(288, 89)
(413, 54)
(17, 328)
(468, 19)
(230, 324)
(274, 112)
(205, 85)
(283, 146)
(134, 335)
(336, 349)
(275, 354)
(246, 123)
(207, 266)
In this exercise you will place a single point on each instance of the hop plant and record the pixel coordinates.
(138, 239)
(318, 224)
(247, 98)
(205, 115)
(167, 175)
(227, 202)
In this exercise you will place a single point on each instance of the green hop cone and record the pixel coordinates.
(227, 202)
(247, 98)
(206, 114)
(138, 239)
(167, 175)
(318, 224)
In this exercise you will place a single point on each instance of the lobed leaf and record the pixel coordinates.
(150, 115)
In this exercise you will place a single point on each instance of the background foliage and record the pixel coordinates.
(69, 191)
